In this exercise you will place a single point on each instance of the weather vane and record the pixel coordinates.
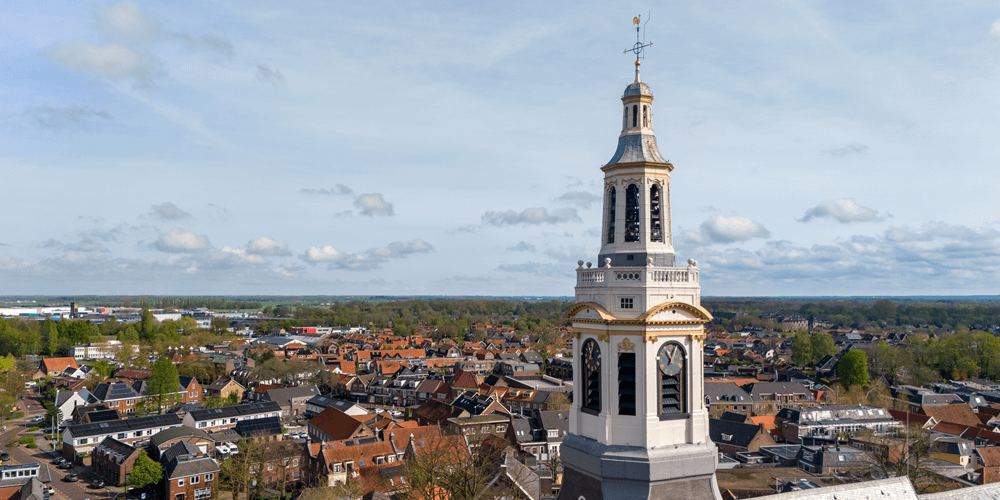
(637, 48)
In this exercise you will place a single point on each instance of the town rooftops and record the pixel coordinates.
(184, 468)
(59, 364)
(259, 427)
(99, 428)
(285, 395)
(17, 475)
(327, 401)
(235, 411)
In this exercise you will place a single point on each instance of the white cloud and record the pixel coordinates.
(722, 229)
(522, 246)
(339, 189)
(370, 259)
(582, 199)
(111, 60)
(372, 204)
(179, 240)
(267, 246)
(235, 257)
(265, 74)
(126, 21)
(530, 216)
(569, 254)
(168, 211)
(844, 210)
(995, 31)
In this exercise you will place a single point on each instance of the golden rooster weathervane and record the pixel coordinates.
(637, 48)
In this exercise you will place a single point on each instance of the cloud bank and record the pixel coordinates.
(844, 210)
(530, 216)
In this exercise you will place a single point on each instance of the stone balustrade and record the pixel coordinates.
(635, 275)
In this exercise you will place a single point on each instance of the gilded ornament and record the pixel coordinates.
(626, 345)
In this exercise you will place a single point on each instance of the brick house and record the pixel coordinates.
(217, 419)
(334, 425)
(284, 462)
(189, 476)
(163, 440)
(112, 461)
(79, 439)
(735, 437)
(191, 389)
(223, 387)
(117, 395)
(53, 367)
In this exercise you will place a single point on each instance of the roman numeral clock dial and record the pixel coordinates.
(592, 357)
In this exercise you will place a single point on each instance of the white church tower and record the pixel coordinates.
(638, 423)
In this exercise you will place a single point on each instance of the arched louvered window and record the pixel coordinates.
(645, 115)
(632, 213)
(635, 115)
(612, 200)
(672, 370)
(591, 363)
(655, 220)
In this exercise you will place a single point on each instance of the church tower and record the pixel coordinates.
(638, 423)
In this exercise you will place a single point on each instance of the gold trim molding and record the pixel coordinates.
(626, 345)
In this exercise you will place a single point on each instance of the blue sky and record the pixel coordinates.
(454, 148)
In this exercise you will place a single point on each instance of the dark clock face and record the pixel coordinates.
(670, 359)
(592, 356)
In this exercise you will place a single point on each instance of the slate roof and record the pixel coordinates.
(184, 468)
(634, 148)
(177, 449)
(284, 396)
(897, 488)
(84, 430)
(116, 446)
(235, 411)
(727, 392)
(557, 420)
(175, 432)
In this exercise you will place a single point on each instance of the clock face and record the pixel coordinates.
(670, 359)
(592, 356)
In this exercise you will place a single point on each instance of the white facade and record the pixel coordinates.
(98, 350)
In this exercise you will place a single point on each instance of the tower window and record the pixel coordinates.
(645, 115)
(611, 215)
(626, 383)
(672, 367)
(627, 302)
(591, 354)
(635, 115)
(655, 224)
(632, 213)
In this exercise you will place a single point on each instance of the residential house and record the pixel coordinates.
(727, 396)
(829, 422)
(283, 464)
(318, 403)
(770, 397)
(53, 367)
(112, 461)
(215, 419)
(334, 425)
(189, 475)
(292, 400)
(117, 395)
(163, 440)
(24, 481)
(67, 401)
(224, 387)
(736, 437)
(82, 438)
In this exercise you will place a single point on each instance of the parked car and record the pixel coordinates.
(58, 460)
(97, 484)
(65, 465)
(223, 449)
(71, 478)
(49, 489)
(38, 418)
(4, 456)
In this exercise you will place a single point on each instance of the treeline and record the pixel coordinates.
(451, 318)
(964, 354)
(861, 314)
(215, 304)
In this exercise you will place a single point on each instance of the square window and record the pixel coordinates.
(626, 302)
(195, 480)
(180, 482)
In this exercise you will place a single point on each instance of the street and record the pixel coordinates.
(23, 455)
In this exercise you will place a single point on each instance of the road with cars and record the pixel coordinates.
(23, 455)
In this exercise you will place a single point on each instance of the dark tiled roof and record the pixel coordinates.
(235, 411)
(84, 430)
(285, 395)
(177, 449)
(184, 468)
(167, 434)
(732, 433)
(636, 148)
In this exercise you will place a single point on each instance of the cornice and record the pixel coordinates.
(638, 164)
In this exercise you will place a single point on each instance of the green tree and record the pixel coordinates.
(822, 345)
(102, 368)
(145, 471)
(52, 337)
(802, 350)
(853, 369)
(163, 381)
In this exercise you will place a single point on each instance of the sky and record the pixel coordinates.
(454, 148)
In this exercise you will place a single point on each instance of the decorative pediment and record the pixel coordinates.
(676, 312)
(589, 310)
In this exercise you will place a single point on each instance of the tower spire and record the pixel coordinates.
(639, 45)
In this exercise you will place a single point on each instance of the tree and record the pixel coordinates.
(802, 350)
(102, 368)
(822, 345)
(853, 369)
(145, 471)
(163, 381)
(557, 401)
